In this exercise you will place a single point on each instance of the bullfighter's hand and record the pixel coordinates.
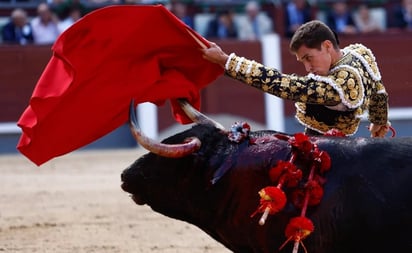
(215, 54)
(378, 130)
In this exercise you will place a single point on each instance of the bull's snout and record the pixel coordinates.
(124, 185)
(128, 186)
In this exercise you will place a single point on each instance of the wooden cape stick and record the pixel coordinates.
(201, 44)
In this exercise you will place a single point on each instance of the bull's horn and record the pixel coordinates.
(166, 150)
(197, 116)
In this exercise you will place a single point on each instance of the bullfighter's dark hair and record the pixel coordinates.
(311, 35)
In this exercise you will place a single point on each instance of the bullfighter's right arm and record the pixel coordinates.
(343, 86)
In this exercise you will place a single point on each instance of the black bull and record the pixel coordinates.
(366, 206)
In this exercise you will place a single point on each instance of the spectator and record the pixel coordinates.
(18, 29)
(74, 14)
(364, 21)
(340, 20)
(179, 9)
(104, 1)
(68, 11)
(45, 30)
(222, 26)
(402, 16)
(297, 12)
(256, 24)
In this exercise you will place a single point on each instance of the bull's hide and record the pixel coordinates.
(366, 206)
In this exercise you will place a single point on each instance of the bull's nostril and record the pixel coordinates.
(124, 187)
(123, 176)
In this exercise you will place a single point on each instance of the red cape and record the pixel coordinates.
(101, 63)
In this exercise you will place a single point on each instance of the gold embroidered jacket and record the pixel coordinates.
(336, 101)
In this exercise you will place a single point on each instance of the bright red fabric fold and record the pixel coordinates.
(106, 59)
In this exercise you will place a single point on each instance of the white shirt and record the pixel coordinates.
(246, 29)
(44, 33)
(65, 24)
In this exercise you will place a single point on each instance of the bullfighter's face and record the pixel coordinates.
(317, 61)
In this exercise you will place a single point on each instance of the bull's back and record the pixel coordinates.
(368, 197)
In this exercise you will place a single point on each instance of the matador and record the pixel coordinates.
(341, 86)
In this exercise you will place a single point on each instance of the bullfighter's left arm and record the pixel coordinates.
(378, 105)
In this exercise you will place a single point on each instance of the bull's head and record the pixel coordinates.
(168, 154)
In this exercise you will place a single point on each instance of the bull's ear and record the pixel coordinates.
(190, 145)
(197, 116)
(220, 172)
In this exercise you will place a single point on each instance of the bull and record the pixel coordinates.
(202, 177)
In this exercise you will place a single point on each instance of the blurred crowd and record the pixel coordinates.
(249, 23)
(50, 20)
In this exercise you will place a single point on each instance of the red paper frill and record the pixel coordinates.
(272, 198)
(285, 173)
(299, 228)
(315, 191)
